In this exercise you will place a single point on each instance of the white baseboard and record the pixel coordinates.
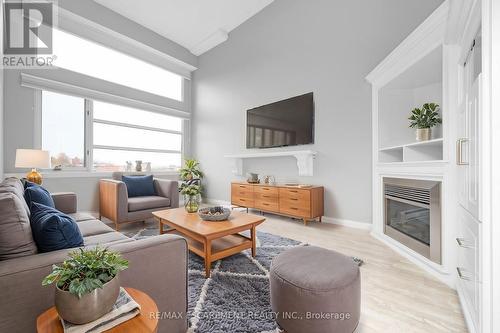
(347, 223)
(465, 311)
(216, 202)
(326, 219)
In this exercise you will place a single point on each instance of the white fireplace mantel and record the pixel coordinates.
(305, 160)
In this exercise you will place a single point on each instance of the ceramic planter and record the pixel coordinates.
(90, 306)
(423, 134)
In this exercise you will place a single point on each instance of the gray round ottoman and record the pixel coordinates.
(315, 290)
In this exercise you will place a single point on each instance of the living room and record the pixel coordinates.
(250, 166)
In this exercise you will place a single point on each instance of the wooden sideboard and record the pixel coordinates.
(304, 203)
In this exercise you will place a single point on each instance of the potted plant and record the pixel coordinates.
(191, 170)
(424, 119)
(191, 194)
(87, 284)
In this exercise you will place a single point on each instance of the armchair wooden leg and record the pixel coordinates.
(117, 226)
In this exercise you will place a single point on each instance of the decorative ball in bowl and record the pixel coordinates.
(214, 213)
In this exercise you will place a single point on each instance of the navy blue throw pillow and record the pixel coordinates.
(139, 186)
(36, 193)
(53, 230)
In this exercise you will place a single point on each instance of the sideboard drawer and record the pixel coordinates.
(245, 187)
(295, 210)
(295, 202)
(267, 190)
(292, 193)
(268, 197)
(242, 191)
(270, 206)
(243, 202)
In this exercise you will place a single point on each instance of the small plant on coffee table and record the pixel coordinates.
(191, 194)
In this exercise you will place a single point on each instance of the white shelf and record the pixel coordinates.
(423, 151)
(305, 159)
(433, 142)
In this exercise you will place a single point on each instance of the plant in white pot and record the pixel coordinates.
(87, 284)
(424, 119)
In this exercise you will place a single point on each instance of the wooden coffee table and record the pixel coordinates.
(211, 240)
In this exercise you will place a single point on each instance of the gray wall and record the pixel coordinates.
(290, 48)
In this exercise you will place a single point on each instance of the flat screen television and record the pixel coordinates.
(289, 122)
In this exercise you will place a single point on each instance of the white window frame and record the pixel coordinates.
(89, 137)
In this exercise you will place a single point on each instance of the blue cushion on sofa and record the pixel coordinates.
(139, 186)
(53, 230)
(36, 193)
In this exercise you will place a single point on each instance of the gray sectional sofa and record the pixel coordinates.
(158, 265)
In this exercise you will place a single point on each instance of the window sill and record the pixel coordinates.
(85, 174)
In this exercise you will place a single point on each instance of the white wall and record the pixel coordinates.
(395, 106)
(290, 48)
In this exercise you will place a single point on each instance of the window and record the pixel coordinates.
(123, 134)
(116, 135)
(89, 58)
(63, 129)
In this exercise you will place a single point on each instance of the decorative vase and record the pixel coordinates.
(138, 166)
(192, 203)
(90, 306)
(423, 134)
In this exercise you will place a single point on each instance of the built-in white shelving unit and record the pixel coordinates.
(421, 82)
(422, 69)
(424, 151)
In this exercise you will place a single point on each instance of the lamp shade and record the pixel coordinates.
(32, 158)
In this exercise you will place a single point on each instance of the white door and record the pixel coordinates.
(473, 150)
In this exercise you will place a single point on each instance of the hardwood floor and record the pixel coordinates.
(396, 295)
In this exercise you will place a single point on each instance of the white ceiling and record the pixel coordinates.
(198, 25)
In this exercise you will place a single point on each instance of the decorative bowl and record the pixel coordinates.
(214, 213)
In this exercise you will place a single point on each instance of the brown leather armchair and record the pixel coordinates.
(115, 204)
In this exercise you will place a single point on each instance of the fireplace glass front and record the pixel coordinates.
(413, 215)
(410, 219)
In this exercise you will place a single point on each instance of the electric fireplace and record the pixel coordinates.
(412, 215)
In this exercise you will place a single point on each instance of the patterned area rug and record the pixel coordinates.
(236, 296)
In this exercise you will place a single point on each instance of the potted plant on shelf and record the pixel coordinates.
(87, 284)
(192, 198)
(424, 119)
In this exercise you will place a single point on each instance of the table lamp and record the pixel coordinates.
(33, 158)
